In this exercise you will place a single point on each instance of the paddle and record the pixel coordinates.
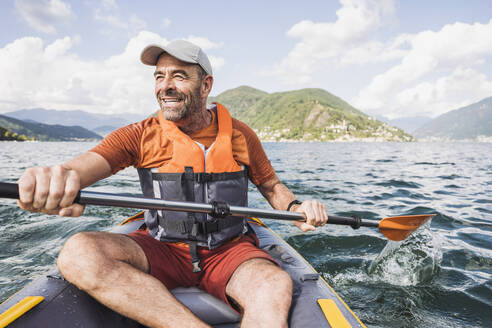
(394, 228)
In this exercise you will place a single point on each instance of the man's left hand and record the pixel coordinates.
(315, 215)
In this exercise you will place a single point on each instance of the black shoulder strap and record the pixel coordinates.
(189, 190)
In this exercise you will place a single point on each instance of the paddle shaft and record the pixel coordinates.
(11, 190)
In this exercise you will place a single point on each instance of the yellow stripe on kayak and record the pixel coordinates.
(333, 314)
(136, 217)
(257, 221)
(19, 309)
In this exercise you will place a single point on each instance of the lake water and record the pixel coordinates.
(441, 276)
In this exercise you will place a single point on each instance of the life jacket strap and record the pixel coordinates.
(200, 177)
(190, 195)
(195, 259)
(202, 227)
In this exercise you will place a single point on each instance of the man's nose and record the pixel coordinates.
(166, 84)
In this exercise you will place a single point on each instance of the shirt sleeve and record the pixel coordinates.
(121, 147)
(260, 169)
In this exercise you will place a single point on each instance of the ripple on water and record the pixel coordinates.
(452, 177)
(399, 184)
(452, 186)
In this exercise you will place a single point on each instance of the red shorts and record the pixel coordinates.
(171, 262)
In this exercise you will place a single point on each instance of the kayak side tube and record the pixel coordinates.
(311, 291)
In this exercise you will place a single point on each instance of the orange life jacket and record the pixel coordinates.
(198, 175)
(187, 152)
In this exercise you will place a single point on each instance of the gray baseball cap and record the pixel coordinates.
(180, 49)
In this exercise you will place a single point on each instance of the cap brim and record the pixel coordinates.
(150, 54)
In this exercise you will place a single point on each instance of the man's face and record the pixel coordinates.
(177, 88)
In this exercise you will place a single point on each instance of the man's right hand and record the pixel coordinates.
(50, 190)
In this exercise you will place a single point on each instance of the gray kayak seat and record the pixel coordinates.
(206, 306)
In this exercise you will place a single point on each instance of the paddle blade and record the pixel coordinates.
(398, 228)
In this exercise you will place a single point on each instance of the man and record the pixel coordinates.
(189, 152)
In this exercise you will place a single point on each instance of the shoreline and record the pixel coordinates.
(355, 140)
(369, 140)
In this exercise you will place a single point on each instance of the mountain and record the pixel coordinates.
(87, 120)
(104, 130)
(407, 124)
(239, 99)
(46, 132)
(306, 114)
(466, 123)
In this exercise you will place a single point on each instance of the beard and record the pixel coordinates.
(189, 104)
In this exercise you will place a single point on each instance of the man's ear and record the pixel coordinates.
(207, 83)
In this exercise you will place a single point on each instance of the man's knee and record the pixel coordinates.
(260, 280)
(82, 260)
(278, 280)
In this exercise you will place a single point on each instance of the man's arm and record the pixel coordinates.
(52, 189)
(279, 196)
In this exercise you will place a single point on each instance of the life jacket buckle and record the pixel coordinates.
(210, 226)
(196, 266)
(220, 209)
(194, 229)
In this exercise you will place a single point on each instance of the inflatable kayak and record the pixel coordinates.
(51, 301)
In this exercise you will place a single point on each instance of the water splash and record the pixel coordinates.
(411, 262)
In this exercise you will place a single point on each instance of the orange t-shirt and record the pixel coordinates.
(143, 145)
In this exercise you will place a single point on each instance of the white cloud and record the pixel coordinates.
(43, 15)
(108, 13)
(109, 19)
(109, 4)
(136, 23)
(372, 51)
(462, 87)
(57, 48)
(203, 43)
(216, 62)
(51, 76)
(450, 52)
(327, 41)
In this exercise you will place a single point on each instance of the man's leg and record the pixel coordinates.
(264, 291)
(113, 269)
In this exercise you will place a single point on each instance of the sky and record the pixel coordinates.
(389, 58)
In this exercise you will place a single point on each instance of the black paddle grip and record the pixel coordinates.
(9, 190)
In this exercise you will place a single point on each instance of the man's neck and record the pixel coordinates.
(196, 122)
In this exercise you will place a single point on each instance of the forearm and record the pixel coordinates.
(277, 194)
(91, 167)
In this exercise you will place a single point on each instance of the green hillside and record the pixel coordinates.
(46, 132)
(470, 122)
(307, 114)
(240, 99)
